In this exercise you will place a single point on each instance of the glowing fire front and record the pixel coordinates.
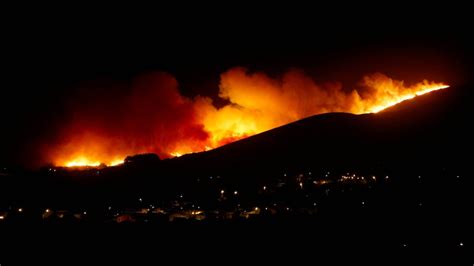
(159, 119)
(83, 161)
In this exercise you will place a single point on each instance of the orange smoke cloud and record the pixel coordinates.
(155, 117)
(152, 117)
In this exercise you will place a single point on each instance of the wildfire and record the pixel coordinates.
(79, 162)
(83, 162)
(389, 103)
(116, 162)
(159, 119)
(395, 92)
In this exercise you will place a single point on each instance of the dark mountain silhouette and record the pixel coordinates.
(429, 130)
(147, 158)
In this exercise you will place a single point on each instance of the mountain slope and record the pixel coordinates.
(425, 130)
(430, 131)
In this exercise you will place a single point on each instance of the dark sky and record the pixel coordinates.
(46, 59)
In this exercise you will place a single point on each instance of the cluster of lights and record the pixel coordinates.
(355, 177)
(321, 182)
(256, 210)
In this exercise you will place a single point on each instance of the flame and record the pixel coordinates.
(80, 162)
(389, 103)
(160, 120)
(392, 92)
(86, 162)
(116, 162)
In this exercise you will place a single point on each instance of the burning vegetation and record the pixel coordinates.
(155, 117)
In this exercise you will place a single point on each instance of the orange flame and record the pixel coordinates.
(257, 103)
(81, 161)
(390, 93)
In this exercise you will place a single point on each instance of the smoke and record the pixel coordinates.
(154, 117)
